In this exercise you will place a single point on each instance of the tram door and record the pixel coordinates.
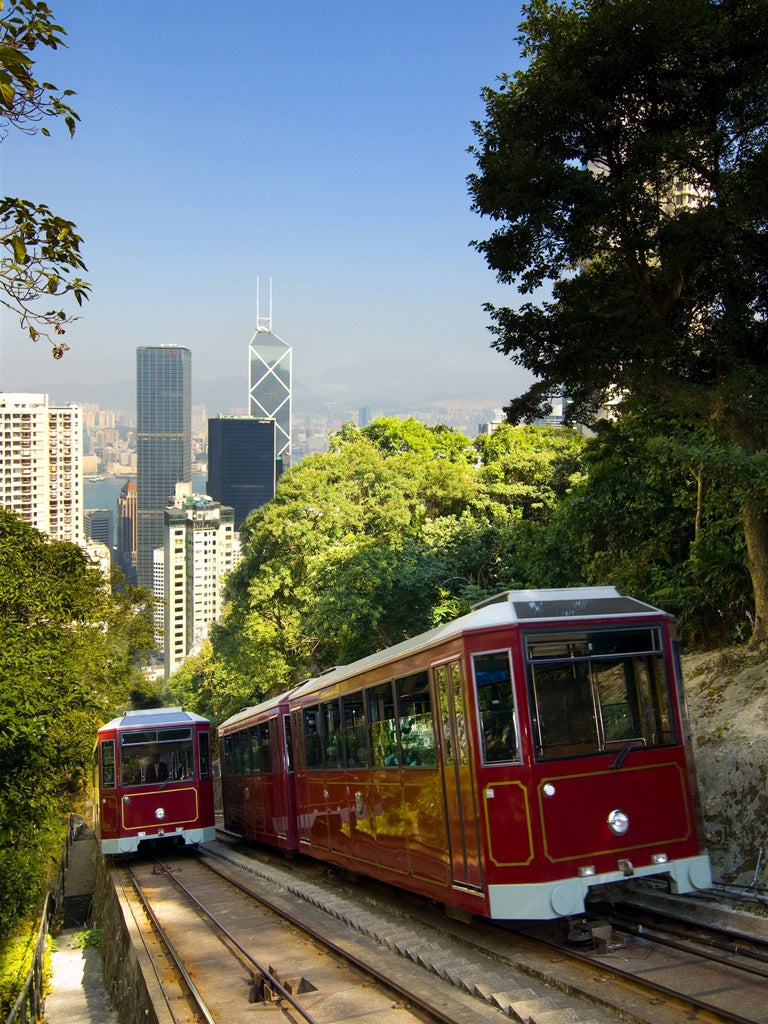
(458, 786)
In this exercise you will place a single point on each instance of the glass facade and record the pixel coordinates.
(270, 386)
(163, 441)
(242, 469)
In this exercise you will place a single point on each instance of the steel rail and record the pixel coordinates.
(643, 983)
(702, 946)
(263, 971)
(408, 995)
(194, 991)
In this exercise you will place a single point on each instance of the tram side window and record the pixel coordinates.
(265, 753)
(652, 688)
(331, 720)
(232, 759)
(108, 764)
(383, 725)
(312, 739)
(414, 709)
(496, 707)
(355, 738)
(252, 752)
(204, 748)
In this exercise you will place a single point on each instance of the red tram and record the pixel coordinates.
(504, 764)
(155, 780)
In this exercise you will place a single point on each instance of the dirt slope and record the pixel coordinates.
(727, 694)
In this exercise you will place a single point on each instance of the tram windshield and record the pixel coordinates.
(156, 755)
(597, 691)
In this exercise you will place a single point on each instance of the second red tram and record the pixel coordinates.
(155, 780)
(504, 764)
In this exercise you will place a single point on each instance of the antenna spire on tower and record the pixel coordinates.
(264, 323)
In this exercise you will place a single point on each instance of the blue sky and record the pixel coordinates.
(323, 146)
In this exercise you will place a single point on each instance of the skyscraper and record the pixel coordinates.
(127, 530)
(99, 525)
(41, 478)
(199, 552)
(163, 441)
(270, 383)
(241, 463)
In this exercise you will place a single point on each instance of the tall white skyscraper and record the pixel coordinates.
(199, 551)
(270, 382)
(41, 477)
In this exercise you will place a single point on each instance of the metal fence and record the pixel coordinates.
(28, 1008)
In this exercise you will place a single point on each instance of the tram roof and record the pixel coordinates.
(508, 608)
(265, 705)
(153, 717)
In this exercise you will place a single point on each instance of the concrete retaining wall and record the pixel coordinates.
(128, 972)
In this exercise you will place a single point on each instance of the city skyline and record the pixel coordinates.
(338, 171)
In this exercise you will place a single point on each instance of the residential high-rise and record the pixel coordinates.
(127, 530)
(270, 383)
(163, 441)
(242, 469)
(41, 479)
(199, 551)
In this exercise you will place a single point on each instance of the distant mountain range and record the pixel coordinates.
(230, 395)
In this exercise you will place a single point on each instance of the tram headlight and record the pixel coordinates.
(618, 822)
(160, 813)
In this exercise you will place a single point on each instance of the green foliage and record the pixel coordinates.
(68, 652)
(16, 958)
(40, 250)
(624, 172)
(394, 530)
(89, 938)
(651, 516)
(379, 539)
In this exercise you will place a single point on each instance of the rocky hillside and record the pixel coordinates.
(728, 702)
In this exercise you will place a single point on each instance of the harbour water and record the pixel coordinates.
(104, 493)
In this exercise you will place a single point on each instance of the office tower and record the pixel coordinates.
(199, 551)
(163, 441)
(241, 463)
(364, 416)
(98, 524)
(127, 530)
(41, 477)
(270, 383)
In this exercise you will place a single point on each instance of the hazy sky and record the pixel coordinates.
(323, 146)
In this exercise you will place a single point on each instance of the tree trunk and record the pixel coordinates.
(755, 517)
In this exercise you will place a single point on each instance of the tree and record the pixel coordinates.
(625, 169)
(398, 528)
(40, 249)
(68, 649)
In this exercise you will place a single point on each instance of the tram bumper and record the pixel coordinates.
(566, 897)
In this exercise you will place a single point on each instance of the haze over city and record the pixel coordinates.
(323, 147)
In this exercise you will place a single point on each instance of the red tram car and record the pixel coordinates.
(504, 764)
(154, 780)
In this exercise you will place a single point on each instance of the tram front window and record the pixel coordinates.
(598, 691)
(156, 755)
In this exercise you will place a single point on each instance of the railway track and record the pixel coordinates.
(225, 951)
(632, 977)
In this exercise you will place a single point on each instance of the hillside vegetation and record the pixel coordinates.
(400, 527)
